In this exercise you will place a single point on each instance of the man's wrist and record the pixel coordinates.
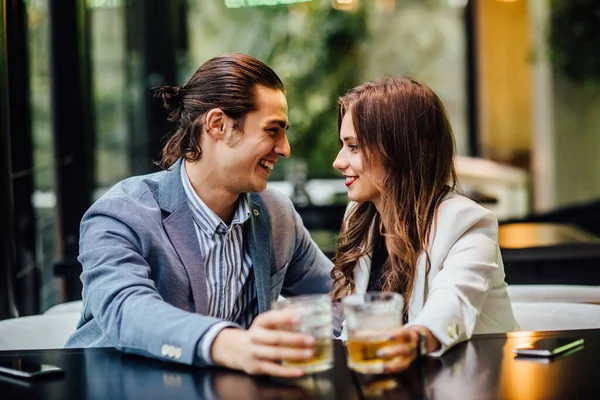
(203, 348)
(222, 345)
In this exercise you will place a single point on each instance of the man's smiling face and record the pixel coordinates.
(246, 161)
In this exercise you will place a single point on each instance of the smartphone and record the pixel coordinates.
(27, 369)
(547, 347)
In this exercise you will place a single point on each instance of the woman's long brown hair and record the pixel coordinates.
(401, 127)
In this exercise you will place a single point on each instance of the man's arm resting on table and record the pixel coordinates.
(204, 346)
(260, 349)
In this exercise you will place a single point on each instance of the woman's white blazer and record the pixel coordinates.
(464, 292)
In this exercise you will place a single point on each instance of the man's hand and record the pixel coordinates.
(259, 349)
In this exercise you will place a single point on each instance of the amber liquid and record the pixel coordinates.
(322, 359)
(362, 355)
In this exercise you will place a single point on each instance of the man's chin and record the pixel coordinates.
(259, 187)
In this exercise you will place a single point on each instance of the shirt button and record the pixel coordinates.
(255, 212)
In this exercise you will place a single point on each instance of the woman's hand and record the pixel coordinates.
(405, 348)
(259, 349)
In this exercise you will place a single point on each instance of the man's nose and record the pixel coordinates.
(282, 147)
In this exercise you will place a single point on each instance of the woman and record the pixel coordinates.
(407, 229)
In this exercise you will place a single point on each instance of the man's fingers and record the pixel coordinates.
(281, 353)
(280, 338)
(274, 319)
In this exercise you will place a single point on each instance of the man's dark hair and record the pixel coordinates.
(227, 82)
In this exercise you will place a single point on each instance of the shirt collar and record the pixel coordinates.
(205, 218)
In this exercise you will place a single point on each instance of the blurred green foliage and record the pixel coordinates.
(313, 47)
(313, 91)
(574, 39)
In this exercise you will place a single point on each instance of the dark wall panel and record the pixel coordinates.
(7, 241)
(27, 279)
(73, 128)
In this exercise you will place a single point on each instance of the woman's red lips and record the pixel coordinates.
(350, 180)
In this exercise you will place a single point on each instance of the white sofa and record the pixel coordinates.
(45, 331)
(556, 307)
(556, 316)
(554, 293)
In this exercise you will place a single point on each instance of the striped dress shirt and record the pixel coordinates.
(230, 282)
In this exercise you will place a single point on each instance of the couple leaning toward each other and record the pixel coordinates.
(182, 264)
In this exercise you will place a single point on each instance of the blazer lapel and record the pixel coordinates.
(179, 226)
(362, 272)
(419, 293)
(258, 237)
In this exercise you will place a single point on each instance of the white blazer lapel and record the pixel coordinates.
(420, 289)
(362, 271)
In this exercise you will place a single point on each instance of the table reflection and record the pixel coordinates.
(533, 378)
(457, 375)
(120, 376)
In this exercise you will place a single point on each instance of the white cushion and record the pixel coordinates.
(37, 331)
(556, 316)
(554, 293)
(70, 307)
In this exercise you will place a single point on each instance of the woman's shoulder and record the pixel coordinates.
(454, 203)
(459, 213)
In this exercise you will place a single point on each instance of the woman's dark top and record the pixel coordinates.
(379, 258)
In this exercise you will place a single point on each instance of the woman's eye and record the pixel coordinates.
(353, 147)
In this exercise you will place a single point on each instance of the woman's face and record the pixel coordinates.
(359, 181)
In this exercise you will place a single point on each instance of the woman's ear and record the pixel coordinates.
(215, 123)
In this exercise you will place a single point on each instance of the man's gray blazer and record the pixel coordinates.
(144, 284)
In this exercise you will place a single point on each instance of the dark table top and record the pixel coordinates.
(548, 253)
(537, 234)
(483, 368)
(549, 241)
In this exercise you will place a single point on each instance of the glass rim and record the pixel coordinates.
(302, 299)
(359, 298)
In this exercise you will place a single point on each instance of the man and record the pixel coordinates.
(177, 263)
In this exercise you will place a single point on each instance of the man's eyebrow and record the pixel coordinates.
(281, 122)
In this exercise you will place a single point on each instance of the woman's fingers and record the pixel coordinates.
(404, 335)
(402, 353)
(407, 351)
(397, 365)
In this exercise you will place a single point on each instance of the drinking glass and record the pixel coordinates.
(315, 320)
(369, 318)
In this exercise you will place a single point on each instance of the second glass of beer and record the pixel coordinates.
(369, 318)
(315, 320)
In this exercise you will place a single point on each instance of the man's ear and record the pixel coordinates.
(215, 124)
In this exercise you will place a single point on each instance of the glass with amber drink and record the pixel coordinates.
(369, 319)
(316, 321)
